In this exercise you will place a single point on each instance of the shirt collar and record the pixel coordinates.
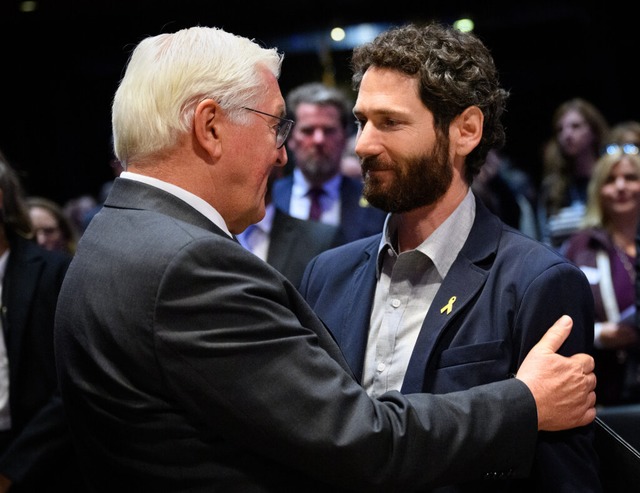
(267, 221)
(443, 245)
(194, 201)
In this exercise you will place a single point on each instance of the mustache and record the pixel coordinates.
(374, 164)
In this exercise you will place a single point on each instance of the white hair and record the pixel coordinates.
(168, 75)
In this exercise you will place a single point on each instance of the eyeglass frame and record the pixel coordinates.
(628, 148)
(283, 129)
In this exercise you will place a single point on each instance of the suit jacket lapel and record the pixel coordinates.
(465, 278)
(283, 235)
(361, 292)
(21, 277)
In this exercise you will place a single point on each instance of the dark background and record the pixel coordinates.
(60, 66)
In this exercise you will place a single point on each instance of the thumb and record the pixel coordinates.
(556, 335)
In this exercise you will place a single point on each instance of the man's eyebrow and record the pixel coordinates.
(380, 112)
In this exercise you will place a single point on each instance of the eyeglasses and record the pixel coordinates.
(282, 129)
(622, 148)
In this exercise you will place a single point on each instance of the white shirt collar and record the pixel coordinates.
(194, 201)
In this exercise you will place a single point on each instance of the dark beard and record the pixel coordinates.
(419, 180)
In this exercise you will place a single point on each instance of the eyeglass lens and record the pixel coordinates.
(283, 132)
(624, 148)
(282, 129)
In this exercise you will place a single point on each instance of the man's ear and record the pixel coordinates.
(467, 130)
(207, 126)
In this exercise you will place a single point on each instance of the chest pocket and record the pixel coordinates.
(462, 367)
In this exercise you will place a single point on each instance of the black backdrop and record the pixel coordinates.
(60, 67)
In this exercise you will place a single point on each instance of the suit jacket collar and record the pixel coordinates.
(130, 194)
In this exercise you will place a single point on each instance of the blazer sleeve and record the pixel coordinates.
(568, 457)
(247, 358)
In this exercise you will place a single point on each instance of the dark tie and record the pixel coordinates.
(315, 211)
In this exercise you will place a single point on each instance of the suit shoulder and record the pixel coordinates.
(516, 243)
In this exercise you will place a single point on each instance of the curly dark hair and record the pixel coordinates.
(455, 71)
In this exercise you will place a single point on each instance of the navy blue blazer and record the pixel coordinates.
(358, 219)
(509, 290)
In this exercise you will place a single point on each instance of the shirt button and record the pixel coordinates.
(381, 367)
(395, 303)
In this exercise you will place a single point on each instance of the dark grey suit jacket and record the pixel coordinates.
(508, 290)
(188, 364)
(293, 242)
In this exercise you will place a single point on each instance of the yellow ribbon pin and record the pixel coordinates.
(449, 306)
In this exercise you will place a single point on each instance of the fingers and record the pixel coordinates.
(590, 414)
(556, 335)
(586, 362)
(562, 387)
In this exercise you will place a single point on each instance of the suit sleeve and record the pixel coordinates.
(250, 362)
(565, 458)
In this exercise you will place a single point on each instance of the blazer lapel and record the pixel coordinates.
(463, 281)
(458, 288)
(360, 293)
(21, 277)
(283, 239)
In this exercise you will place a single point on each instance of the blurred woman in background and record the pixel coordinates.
(579, 129)
(605, 250)
(52, 229)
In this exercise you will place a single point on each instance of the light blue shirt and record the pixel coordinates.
(301, 202)
(257, 237)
